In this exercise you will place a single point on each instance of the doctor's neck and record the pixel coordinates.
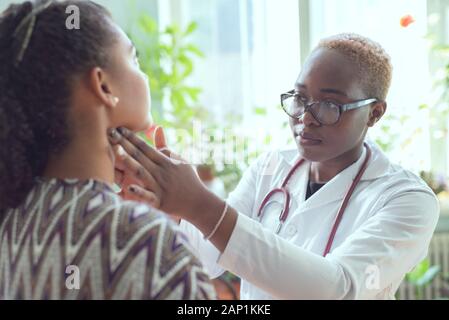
(322, 172)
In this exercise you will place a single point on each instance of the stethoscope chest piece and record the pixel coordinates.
(269, 199)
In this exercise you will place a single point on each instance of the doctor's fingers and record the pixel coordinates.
(124, 179)
(145, 175)
(136, 146)
(118, 152)
(119, 177)
(127, 150)
(160, 143)
(137, 193)
(121, 146)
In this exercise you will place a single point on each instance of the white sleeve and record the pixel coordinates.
(241, 199)
(204, 250)
(393, 241)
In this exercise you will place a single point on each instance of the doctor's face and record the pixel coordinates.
(329, 76)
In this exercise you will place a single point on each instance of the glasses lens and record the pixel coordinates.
(293, 106)
(326, 112)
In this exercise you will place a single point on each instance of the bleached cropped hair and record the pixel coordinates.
(375, 68)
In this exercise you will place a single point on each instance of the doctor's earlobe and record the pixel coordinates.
(377, 112)
(372, 121)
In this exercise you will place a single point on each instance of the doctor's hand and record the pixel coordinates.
(156, 176)
(133, 182)
(171, 184)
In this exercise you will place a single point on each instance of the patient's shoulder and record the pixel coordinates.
(145, 243)
(140, 230)
(122, 249)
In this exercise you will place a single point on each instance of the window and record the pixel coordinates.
(409, 51)
(253, 52)
(251, 56)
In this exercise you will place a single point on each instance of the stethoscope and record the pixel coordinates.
(284, 191)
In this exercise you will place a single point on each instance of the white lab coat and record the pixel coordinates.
(385, 232)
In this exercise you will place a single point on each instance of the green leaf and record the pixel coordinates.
(172, 30)
(268, 139)
(166, 49)
(418, 271)
(188, 65)
(148, 24)
(260, 111)
(193, 93)
(191, 28)
(177, 99)
(423, 107)
(195, 50)
(428, 276)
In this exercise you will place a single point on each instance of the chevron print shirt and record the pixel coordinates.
(76, 239)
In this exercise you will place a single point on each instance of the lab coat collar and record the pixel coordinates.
(336, 188)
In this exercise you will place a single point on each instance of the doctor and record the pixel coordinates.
(332, 219)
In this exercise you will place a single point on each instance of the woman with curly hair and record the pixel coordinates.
(61, 90)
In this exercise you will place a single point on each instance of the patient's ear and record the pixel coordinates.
(101, 87)
(376, 113)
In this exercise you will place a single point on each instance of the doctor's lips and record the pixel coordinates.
(306, 139)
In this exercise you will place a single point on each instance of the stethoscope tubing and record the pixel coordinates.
(286, 209)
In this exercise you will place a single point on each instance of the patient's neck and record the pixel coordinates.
(88, 156)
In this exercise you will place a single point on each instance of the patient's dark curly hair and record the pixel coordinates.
(35, 93)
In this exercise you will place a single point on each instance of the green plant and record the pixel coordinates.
(167, 57)
(392, 135)
(231, 173)
(421, 276)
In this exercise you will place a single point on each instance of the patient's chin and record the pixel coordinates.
(148, 123)
(141, 125)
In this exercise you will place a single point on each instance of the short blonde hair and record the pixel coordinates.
(375, 68)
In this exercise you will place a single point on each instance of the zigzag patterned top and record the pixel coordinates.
(70, 230)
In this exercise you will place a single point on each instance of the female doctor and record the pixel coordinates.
(332, 219)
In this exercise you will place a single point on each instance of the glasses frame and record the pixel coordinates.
(341, 107)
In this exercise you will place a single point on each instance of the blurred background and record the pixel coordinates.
(218, 67)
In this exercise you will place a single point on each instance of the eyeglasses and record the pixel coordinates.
(325, 112)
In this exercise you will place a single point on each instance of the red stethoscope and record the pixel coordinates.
(284, 191)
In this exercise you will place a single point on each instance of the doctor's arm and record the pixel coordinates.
(135, 171)
(242, 200)
(382, 250)
(391, 242)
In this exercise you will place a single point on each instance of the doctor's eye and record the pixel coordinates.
(300, 97)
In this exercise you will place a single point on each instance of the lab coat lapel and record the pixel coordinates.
(379, 165)
(336, 189)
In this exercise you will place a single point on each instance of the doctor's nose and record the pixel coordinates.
(308, 119)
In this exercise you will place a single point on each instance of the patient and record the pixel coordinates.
(64, 233)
